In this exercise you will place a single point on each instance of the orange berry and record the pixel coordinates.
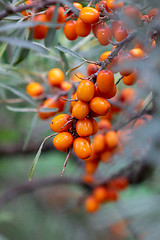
(116, 24)
(40, 31)
(85, 90)
(91, 69)
(55, 77)
(98, 143)
(137, 53)
(25, 13)
(91, 167)
(111, 139)
(132, 12)
(95, 126)
(100, 194)
(95, 27)
(66, 86)
(82, 148)
(70, 30)
(61, 17)
(103, 4)
(80, 109)
(111, 195)
(111, 93)
(100, 105)
(74, 97)
(120, 33)
(34, 89)
(89, 15)
(127, 95)
(104, 124)
(119, 183)
(104, 55)
(82, 29)
(49, 103)
(58, 122)
(105, 81)
(113, 4)
(77, 5)
(87, 178)
(63, 141)
(130, 79)
(104, 35)
(84, 127)
(123, 60)
(91, 205)
(106, 156)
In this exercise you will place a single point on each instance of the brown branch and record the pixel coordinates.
(40, 5)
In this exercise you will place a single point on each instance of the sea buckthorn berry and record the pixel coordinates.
(55, 77)
(112, 195)
(74, 97)
(104, 124)
(34, 89)
(111, 139)
(84, 127)
(66, 86)
(100, 105)
(91, 167)
(95, 27)
(120, 33)
(98, 143)
(82, 29)
(130, 79)
(132, 12)
(116, 24)
(85, 90)
(104, 35)
(63, 141)
(48, 103)
(61, 17)
(95, 126)
(89, 15)
(77, 5)
(100, 194)
(80, 109)
(88, 178)
(103, 4)
(59, 123)
(82, 148)
(111, 93)
(113, 4)
(137, 53)
(127, 95)
(104, 55)
(105, 81)
(119, 183)
(106, 156)
(70, 30)
(91, 69)
(123, 60)
(40, 31)
(91, 204)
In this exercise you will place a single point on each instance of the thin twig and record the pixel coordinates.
(66, 161)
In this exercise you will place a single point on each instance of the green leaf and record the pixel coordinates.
(23, 43)
(24, 110)
(64, 60)
(37, 156)
(28, 135)
(51, 32)
(18, 93)
(72, 69)
(70, 52)
(2, 49)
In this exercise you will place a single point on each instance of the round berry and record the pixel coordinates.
(85, 90)
(84, 127)
(55, 77)
(80, 109)
(82, 29)
(105, 81)
(82, 148)
(111, 139)
(100, 105)
(89, 15)
(91, 204)
(58, 122)
(63, 141)
(70, 30)
(34, 89)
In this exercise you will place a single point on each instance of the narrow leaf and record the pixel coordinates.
(70, 52)
(37, 156)
(72, 69)
(24, 110)
(64, 59)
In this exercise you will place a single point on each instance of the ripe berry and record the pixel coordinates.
(100, 105)
(63, 141)
(70, 30)
(95, 126)
(98, 143)
(77, 5)
(137, 53)
(111, 93)
(111, 139)
(49, 103)
(95, 27)
(61, 17)
(91, 69)
(105, 81)
(80, 110)
(89, 15)
(119, 183)
(55, 77)
(112, 4)
(58, 122)
(111, 195)
(104, 35)
(82, 29)
(100, 194)
(82, 148)
(84, 127)
(127, 95)
(91, 167)
(24, 12)
(104, 124)
(40, 31)
(130, 79)
(120, 33)
(91, 205)
(132, 12)
(34, 89)
(103, 4)
(85, 90)
(66, 86)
